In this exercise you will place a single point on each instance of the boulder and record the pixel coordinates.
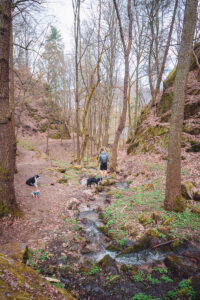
(180, 268)
(197, 195)
(108, 182)
(108, 264)
(21, 282)
(187, 190)
(15, 250)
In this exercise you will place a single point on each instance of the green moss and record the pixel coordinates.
(114, 247)
(170, 78)
(167, 221)
(143, 116)
(43, 128)
(179, 204)
(5, 210)
(197, 195)
(21, 277)
(176, 244)
(144, 141)
(186, 190)
(105, 231)
(196, 211)
(165, 103)
(143, 243)
(195, 146)
(54, 136)
(144, 219)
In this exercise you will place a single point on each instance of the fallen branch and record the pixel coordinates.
(165, 243)
(52, 279)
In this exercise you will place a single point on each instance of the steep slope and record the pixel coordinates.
(36, 113)
(153, 127)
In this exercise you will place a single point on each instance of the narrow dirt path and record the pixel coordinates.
(42, 216)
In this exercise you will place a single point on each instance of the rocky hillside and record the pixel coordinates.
(152, 132)
(36, 114)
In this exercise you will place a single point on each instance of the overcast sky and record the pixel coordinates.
(62, 16)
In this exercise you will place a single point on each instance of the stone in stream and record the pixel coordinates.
(179, 267)
(109, 265)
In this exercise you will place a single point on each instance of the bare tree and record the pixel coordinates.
(126, 51)
(7, 137)
(157, 10)
(173, 180)
(76, 7)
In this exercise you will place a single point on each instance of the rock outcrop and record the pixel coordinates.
(18, 281)
(152, 131)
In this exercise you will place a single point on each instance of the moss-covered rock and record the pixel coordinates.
(165, 103)
(145, 219)
(170, 78)
(18, 281)
(187, 190)
(143, 115)
(141, 244)
(108, 182)
(197, 195)
(196, 211)
(108, 264)
(105, 231)
(191, 109)
(15, 250)
(178, 267)
(114, 247)
(195, 147)
(144, 141)
(179, 204)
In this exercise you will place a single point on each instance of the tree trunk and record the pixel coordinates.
(122, 118)
(76, 8)
(12, 99)
(126, 50)
(173, 180)
(7, 136)
(137, 95)
(130, 128)
(160, 74)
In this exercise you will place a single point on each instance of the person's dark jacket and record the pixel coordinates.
(103, 157)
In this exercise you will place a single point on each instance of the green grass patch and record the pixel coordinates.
(141, 296)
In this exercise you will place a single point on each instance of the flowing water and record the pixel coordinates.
(98, 244)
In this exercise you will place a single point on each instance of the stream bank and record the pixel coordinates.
(132, 270)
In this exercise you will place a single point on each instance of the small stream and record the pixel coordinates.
(98, 244)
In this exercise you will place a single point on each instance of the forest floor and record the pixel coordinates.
(114, 241)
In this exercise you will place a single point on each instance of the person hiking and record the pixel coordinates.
(103, 159)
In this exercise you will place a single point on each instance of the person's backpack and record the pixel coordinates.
(104, 157)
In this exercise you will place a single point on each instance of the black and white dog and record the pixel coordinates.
(33, 180)
(94, 180)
